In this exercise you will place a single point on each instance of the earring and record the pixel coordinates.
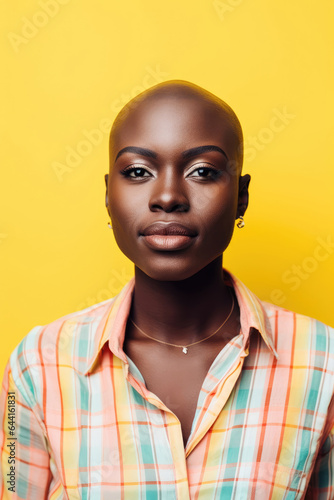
(109, 225)
(241, 222)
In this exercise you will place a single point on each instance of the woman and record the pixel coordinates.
(185, 385)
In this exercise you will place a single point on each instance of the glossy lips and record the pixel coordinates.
(168, 236)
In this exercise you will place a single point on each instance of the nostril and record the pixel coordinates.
(169, 201)
(179, 207)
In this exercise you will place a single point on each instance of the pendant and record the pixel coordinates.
(185, 350)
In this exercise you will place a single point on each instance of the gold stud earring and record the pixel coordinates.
(241, 222)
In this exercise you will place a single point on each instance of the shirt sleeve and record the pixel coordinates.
(25, 471)
(321, 485)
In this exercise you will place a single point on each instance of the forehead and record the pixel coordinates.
(172, 124)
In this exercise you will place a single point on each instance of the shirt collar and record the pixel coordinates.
(252, 313)
(112, 325)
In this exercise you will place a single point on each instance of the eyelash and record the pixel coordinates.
(215, 173)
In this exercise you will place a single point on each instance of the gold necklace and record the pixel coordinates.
(185, 347)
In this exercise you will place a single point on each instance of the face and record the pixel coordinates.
(176, 168)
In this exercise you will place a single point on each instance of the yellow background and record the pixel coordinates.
(69, 67)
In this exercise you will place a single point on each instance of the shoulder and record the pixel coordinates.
(303, 321)
(42, 345)
(304, 334)
(279, 320)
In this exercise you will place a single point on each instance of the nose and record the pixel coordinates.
(169, 193)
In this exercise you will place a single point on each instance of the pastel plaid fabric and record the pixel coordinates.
(86, 426)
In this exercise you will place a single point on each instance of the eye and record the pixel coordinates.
(205, 172)
(138, 172)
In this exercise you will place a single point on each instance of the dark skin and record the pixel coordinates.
(180, 296)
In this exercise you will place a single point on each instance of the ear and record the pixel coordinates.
(106, 177)
(243, 196)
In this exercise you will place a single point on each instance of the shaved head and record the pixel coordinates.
(175, 156)
(183, 91)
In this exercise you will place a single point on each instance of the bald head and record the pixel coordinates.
(182, 91)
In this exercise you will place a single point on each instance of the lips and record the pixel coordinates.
(168, 236)
(169, 229)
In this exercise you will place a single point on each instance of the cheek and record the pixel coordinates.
(128, 210)
(216, 209)
(216, 205)
(123, 207)
(123, 217)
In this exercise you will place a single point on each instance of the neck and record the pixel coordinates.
(181, 311)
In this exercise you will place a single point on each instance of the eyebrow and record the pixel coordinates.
(139, 151)
(202, 149)
(186, 154)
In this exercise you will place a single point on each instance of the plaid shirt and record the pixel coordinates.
(85, 426)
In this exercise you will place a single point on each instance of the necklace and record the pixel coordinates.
(185, 347)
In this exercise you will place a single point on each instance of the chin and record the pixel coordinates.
(171, 273)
